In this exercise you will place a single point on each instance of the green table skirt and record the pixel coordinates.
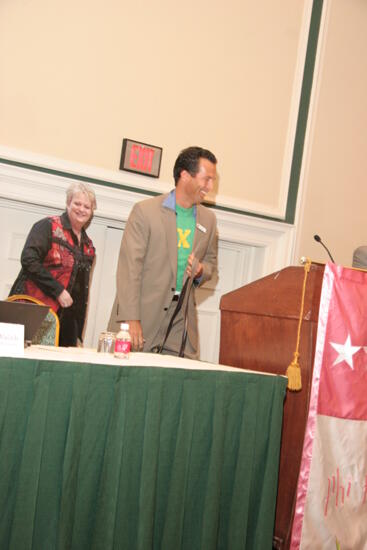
(101, 457)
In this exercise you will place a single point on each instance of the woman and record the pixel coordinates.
(56, 262)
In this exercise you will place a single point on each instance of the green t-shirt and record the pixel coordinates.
(185, 224)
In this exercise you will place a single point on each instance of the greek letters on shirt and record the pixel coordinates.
(182, 238)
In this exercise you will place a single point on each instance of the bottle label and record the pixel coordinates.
(122, 346)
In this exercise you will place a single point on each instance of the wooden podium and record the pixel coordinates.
(259, 325)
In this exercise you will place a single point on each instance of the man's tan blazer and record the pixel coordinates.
(147, 266)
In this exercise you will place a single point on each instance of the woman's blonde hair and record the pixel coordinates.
(78, 187)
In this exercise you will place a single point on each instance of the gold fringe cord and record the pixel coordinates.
(294, 369)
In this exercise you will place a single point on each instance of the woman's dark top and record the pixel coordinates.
(52, 260)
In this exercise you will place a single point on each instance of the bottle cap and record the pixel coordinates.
(124, 326)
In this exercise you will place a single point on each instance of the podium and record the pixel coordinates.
(259, 323)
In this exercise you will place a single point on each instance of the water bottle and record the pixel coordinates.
(123, 342)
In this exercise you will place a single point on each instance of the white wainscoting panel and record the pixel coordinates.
(104, 287)
(248, 248)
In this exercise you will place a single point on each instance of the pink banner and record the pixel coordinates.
(331, 507)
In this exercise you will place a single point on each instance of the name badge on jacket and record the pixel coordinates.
(201, 227)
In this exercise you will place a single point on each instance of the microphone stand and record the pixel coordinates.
(318, 240)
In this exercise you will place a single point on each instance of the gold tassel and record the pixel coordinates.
(294, 374)
(294, 369)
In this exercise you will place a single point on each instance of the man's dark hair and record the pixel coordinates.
(188, 160)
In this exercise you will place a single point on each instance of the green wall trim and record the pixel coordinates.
(307, 82)
(298, 147)
(77, 177)
(115, 185)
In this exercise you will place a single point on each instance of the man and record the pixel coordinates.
(164, 237)
(360, 257)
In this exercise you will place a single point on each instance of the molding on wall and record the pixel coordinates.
(26, 186)
(40, 189)
(304, 106)
(309, 135)
(139, 184)
(294, 108)
(274, 237)
(46, 189)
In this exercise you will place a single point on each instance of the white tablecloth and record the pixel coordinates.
(87, 355)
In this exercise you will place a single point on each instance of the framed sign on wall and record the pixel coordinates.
(141, 158)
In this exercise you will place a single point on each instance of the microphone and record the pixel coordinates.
(318, 239)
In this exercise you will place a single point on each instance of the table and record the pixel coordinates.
(146, 453)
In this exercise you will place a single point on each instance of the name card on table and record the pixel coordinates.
(11, 339)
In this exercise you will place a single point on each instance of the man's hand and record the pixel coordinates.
(136, 333)
(199, 268)
(64, 299)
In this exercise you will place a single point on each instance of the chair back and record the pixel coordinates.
(48, 332)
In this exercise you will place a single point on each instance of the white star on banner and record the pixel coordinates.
(345, 351)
